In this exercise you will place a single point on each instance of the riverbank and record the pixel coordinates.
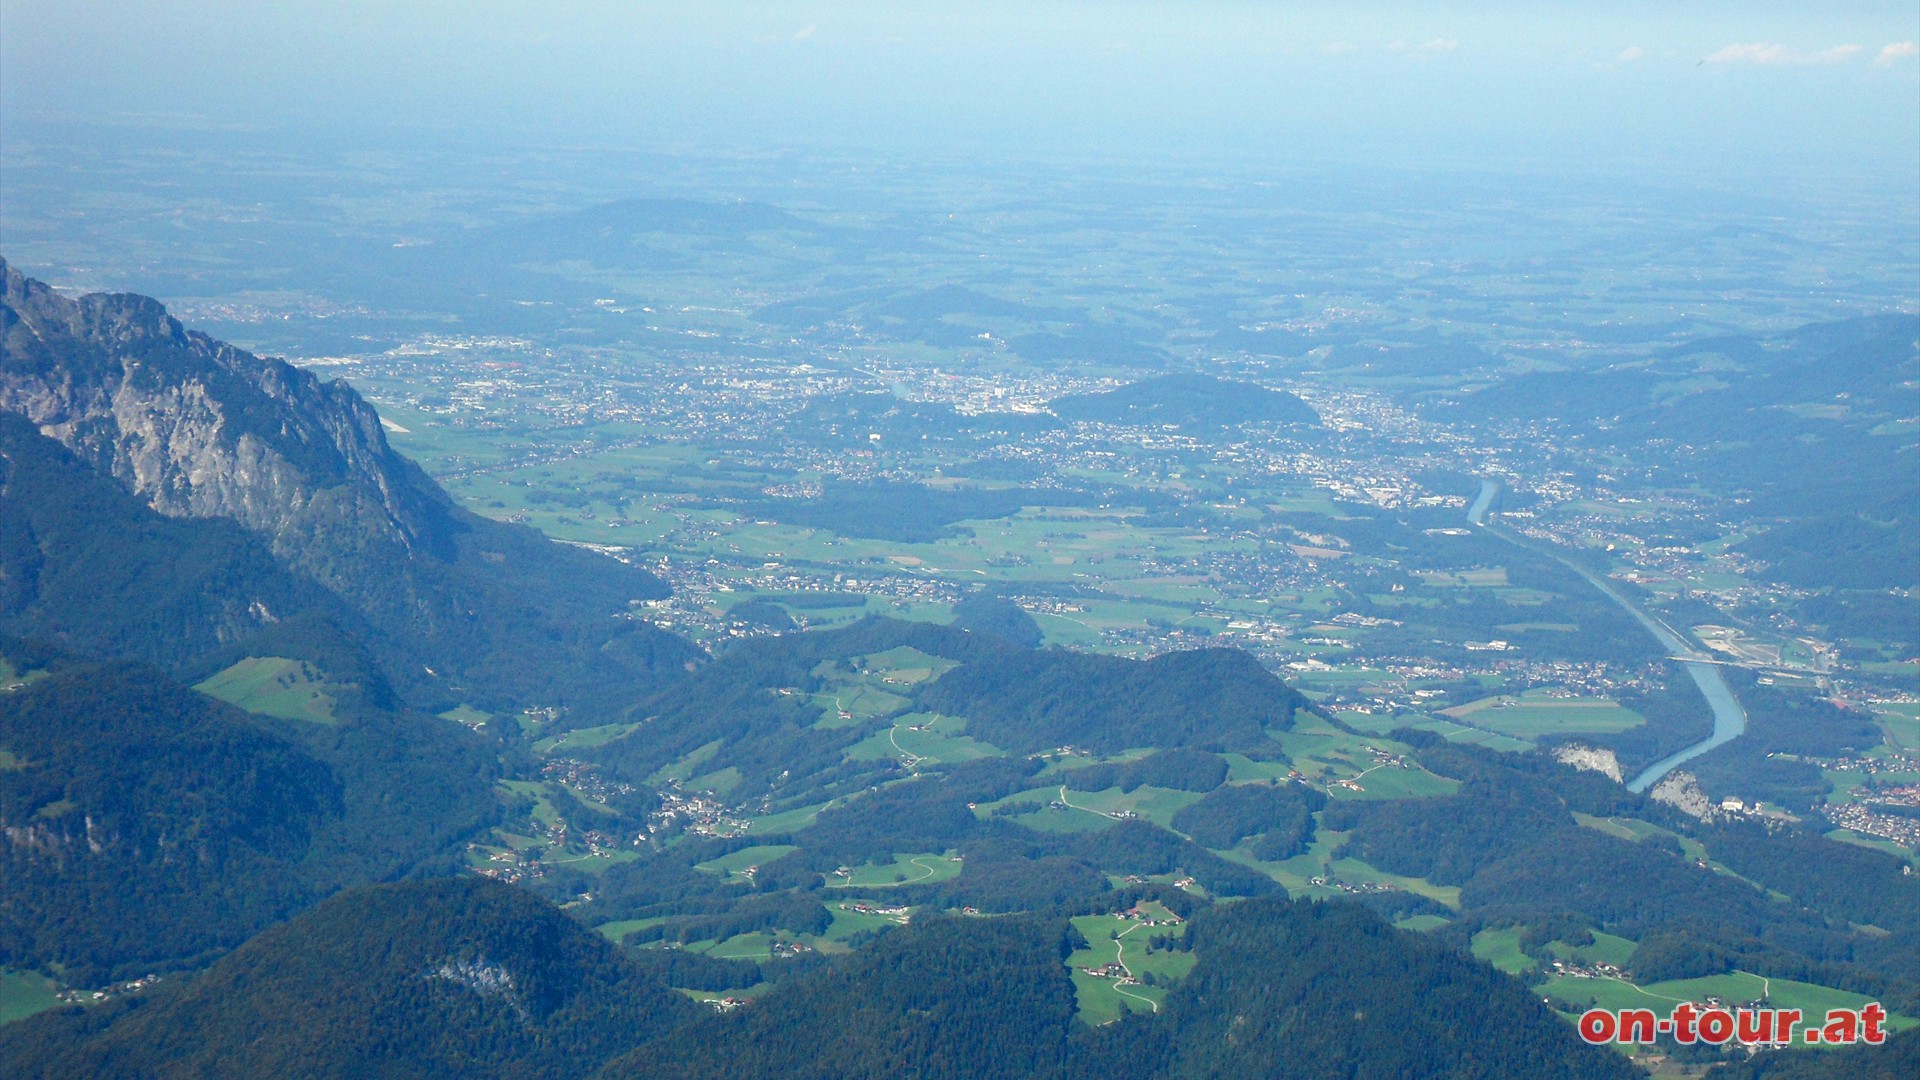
(1729, 719)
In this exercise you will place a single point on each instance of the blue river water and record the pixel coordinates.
(1729, 719)
(1477, 513)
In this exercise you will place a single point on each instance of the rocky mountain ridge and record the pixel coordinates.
(198, 428)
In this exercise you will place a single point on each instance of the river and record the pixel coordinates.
(1729, 719)
(1477, 513)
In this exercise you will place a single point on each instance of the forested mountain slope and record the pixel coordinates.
(456, 977)
(149, 827)
(470, 978)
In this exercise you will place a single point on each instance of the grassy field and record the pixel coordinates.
(12, 676)
(1241, 769)
(1625, 828)
(1487, 577)
(273, 686)
(1606, 949)
(468, 715)
(1111, 939)
(537, 796)
(1154, 804)
(1848, 836)
(1473, 736)
(543, 810)
(1325, 755)
(920, 869)
(23, 993)
(1319, 861)
(848, 922)
(1294, 873)
(582, 738)
(619, 928)
(923, 739)
(1355, 872)
(688, 766)
(1501, 948)
(753, 946)
(1048, 814)
(745, 993)
(720, 781)
(1532, 715)
(853, 702)
(906, 666)
(1901, 724)
(735, 864)
(785, 821)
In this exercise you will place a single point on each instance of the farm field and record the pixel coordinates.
(1349, 765)
(581, 738)
(848, 922)
(1902, 725)
(917, 739)
(1532, 715)
(1501, 948)
(620, 928)
(798, 817)
(753, 946)
(11, 677)
(739, 865)
(1471, 736)
(1606, 949)
(920, 869)
(1118, 940)
(1147, 802)
(1041, 809)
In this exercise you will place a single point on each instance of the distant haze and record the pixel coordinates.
(1712, 90)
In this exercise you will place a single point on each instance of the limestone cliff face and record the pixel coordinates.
(1590, 759)
(198, 428)
(1681, 790)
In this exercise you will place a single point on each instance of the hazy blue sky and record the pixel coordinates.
(1703, 87)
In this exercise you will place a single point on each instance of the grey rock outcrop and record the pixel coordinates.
(197, 428)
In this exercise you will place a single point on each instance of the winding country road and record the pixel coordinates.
(930, 871)
(1120, 957)
(911, 759)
